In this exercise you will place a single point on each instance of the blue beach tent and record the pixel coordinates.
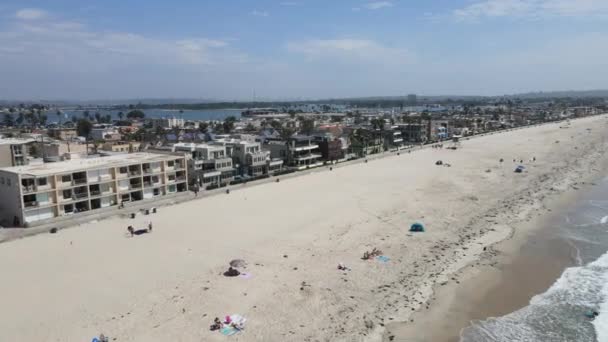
(417, 227)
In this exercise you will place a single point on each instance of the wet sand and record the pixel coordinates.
(512, 272)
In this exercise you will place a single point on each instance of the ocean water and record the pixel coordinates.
(212, 114)
(558, 314)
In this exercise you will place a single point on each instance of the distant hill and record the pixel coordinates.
(372, 101)
(562, 94)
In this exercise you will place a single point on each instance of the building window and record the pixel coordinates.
(66, 178)
(2, 180)
(42, 181)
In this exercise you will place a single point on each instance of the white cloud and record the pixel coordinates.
(30, 14)
(532, 8)
(71, 45)
(351, 50)
(378, 5)
(260, 13)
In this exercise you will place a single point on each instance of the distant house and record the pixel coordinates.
(126, 147)
(105, 133)
(65, 134)
(15, 152)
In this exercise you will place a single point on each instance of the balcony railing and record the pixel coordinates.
(28, 188)
(77, 181)
(181, 179)
(134, 173)
(80, 195)
(30, 204)
(95, 193)
(308, 157)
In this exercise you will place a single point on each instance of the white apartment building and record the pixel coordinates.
(38, 193)
(168, 122)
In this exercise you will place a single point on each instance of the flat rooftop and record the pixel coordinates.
(15, 141)
(88, 164)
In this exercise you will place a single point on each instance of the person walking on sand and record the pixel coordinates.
(131, 230)
(150, 226)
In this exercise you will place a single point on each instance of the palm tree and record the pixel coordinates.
(58, 113)
(121, 115)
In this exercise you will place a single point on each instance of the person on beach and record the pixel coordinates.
(150, 226)
(131, 230)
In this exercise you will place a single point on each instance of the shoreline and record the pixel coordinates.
(169, 285)
(484, 287)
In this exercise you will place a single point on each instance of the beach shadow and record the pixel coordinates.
(140, 232)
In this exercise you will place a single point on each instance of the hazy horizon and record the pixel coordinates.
(64, 50)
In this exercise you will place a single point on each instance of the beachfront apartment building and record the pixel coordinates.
(209, 165)
(249, 158)
(331, 148)
(366, 141)
(35, 194)
(413, 132)
(393, 137)
(299, 151)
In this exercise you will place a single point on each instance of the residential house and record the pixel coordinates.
(298, 151)
(365, 141)
(209, 165)
(249, 158)
(122, 146)
(105, 133)
(66, 134)
(330, 147)
(393, 138)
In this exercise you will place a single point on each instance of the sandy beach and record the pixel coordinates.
(168, 285)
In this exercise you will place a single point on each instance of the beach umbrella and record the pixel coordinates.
(238, 263)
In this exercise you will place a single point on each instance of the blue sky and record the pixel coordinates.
(224, 49)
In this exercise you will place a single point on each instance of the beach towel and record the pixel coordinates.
(237, 323)
(246, 275)
(229, 330)
(383, 258)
